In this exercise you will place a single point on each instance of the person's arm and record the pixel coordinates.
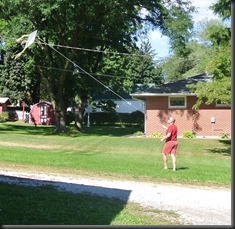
(165, 137)
(164, 127)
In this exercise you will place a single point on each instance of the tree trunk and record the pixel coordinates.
(60, 116)
(60, 121)
(78, 119)
(78, 113)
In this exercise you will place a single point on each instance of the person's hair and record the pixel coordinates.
(172, 119)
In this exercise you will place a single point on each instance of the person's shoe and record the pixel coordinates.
(165, 168)
(174, 169)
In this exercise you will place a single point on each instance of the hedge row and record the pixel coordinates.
(108, 118)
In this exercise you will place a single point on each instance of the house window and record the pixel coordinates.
(177, 102)
(221, 104)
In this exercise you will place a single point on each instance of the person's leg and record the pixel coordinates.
(173, 161)
(174, 145)
(165, 151)
(164, 160)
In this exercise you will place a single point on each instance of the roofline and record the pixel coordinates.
(42, 102)
(165, 94)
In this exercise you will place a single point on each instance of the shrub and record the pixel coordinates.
(156, 135)
(3, 116)
(138, 133)
(224, 135)
(114, 118)
(188, 134)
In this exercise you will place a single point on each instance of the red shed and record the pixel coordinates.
(42, 113)
(4, 102)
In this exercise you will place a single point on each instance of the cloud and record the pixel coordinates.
(203, 10)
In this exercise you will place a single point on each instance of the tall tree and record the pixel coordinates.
(219, 90)
(100, 25)
(219, 64)
(222, 8)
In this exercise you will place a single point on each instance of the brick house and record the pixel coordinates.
(175, 99)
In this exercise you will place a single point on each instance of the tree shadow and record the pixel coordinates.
(26, 129)
(76, 204)
(225, 151)
(46, 130)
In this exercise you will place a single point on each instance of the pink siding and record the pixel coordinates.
(37, 116)
(198, 121)
(3, 106)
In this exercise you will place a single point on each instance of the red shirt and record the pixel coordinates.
(173, 130)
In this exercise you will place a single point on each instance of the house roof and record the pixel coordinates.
(42, 102)
(4, 100)
(107, 94)
(174, 88)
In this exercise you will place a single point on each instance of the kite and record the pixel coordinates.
(29, 41)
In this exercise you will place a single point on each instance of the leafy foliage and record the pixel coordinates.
(100, 25)
(188, 134)
(218, 64)
(222, 8)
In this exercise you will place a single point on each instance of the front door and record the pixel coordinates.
(43, 114)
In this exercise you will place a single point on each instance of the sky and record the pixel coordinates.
(160, 43)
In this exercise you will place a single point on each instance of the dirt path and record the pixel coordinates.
(196, 206)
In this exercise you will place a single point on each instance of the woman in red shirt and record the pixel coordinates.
(171, 143)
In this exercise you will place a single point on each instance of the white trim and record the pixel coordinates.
(162, 94)
(222, 104)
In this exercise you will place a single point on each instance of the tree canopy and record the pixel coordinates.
(69, 31)
(210, 52)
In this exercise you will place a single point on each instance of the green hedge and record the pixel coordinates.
(113, 118)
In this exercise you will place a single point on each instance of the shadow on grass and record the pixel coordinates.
(225, 151)
(116, 131)
(25, 128)
(182, 168)
(36, 202)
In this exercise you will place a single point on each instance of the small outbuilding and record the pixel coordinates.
(4, 103)
(42, 113)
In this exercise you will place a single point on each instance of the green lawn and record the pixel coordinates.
(107, 152)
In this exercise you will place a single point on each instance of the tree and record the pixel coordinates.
(143, 68)
(218, 63)
(219, 90)
(222, 8)
(211, 54)
(17, 81)
(93, 25)
(139, 67)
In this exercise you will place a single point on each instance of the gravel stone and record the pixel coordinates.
(195, 205)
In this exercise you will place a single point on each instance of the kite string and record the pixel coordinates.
(88, 73)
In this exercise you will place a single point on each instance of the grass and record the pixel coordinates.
(100, 152)
(46, 206)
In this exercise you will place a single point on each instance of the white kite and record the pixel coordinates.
(29, 41)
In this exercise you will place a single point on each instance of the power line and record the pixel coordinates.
(88, 74)
(100, 51)
(94, 74)
(91, 50)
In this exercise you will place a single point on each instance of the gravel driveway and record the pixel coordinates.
(196, 206)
